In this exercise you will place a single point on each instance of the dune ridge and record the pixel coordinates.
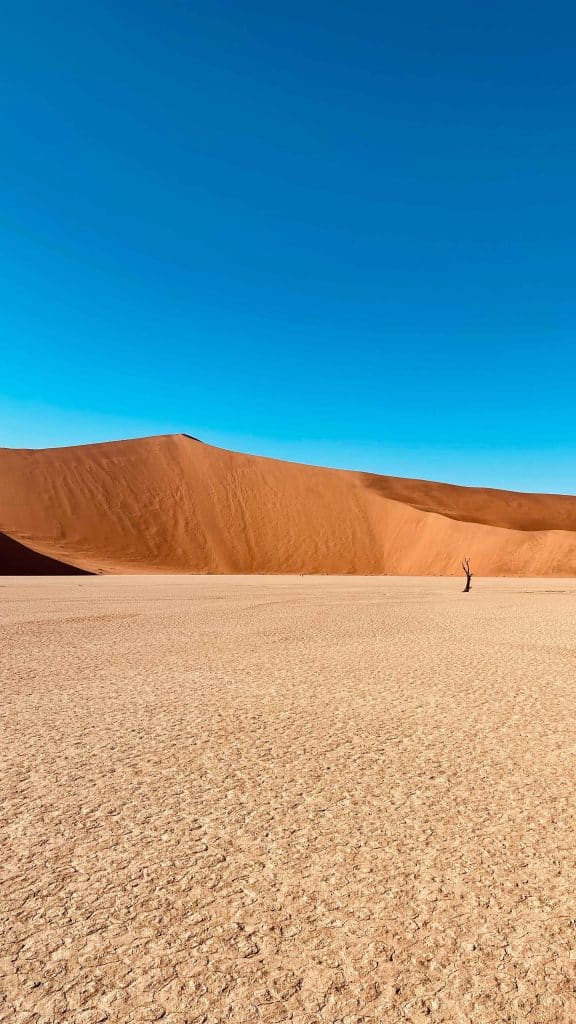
(173, 504)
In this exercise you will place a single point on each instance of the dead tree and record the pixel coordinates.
(466, 567)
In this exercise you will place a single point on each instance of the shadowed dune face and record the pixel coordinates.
(18, 560)
(173, 504)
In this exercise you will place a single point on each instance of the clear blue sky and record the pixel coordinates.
(337, 232)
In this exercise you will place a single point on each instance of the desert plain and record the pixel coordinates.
(266, 799)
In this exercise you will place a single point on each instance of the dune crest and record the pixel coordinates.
(176, 505)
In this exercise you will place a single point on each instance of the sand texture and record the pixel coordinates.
(172, 504)
(263, 800)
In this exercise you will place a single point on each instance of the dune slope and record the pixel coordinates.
(174, 504)
(18, 560)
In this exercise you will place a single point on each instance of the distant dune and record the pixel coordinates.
(175, 505)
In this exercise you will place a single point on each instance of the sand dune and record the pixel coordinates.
(173, 504)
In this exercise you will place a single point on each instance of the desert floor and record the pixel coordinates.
(269, 799)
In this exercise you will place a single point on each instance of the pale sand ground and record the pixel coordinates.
(247, 799)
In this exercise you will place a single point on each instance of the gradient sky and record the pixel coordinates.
(337, 232)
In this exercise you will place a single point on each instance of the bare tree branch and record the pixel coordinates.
(466, 568)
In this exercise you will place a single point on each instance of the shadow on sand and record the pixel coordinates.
(18, 560)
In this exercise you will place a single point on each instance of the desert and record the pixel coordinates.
(173, 504)
(319, 799)
(288, 513)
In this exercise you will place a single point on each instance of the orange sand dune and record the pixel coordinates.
(174, 504)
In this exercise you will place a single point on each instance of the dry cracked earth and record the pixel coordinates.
(264, 800)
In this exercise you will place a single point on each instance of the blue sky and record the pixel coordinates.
(339, 233)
